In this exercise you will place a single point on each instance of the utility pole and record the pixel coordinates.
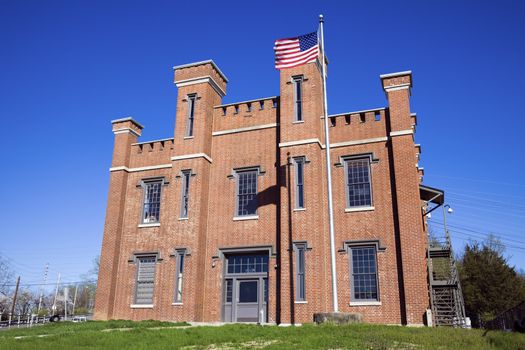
(74, 300)
(14, 297)
(54, 308)
(66, 297)
(42, 289)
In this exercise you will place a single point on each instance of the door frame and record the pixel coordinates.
(236, 277)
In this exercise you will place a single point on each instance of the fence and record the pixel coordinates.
(29, 320)
(21, 320)
(512, 319)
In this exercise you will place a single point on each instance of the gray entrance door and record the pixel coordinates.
(245, 288)
(247, 300)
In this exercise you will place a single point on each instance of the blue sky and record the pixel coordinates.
(69, 67)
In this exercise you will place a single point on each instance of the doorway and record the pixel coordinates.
(245, 288)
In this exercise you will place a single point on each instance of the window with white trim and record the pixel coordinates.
(151, 201)
(298, 97)
(246, 204)
(191, 114)
(363, 265)
(180, 257)
(145, 280)
(359, 189)
(185, 194)
(299, 182)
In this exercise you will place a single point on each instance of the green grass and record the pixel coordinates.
(164, 335)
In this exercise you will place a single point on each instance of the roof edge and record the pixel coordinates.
(200, 63)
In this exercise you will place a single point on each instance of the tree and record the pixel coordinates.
(87, 288)
(6, 280)
(26, 302)
(6, 277)
(490, 286)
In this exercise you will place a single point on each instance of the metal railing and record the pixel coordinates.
(30, 320)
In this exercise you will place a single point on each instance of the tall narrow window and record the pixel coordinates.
(247, 192)
(359, 191)
(300, 288)
(364, 274)
(191, 114)
(228, 291)
(184, 205)
(151, 207)
(298, 97)
(179, 274)
(145, 280)
(299, 182)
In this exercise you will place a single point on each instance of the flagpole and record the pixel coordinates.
(329, 174)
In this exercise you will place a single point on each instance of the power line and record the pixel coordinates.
(50, 284)
(477, 180)
(471, 207)
(474, 222)
(450, 189)
(485, 198)
(487, 203)
(470, 229)
(481, 235)
(506, 247)
(502, 226)
(470, 211)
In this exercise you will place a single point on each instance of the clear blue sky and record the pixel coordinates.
(69, 67)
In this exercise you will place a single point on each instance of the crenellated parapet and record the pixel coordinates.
(245, 114)
(357, 125)
(151, 153)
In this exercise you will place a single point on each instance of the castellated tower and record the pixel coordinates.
(227, 220)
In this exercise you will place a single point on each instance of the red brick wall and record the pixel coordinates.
(395, 220)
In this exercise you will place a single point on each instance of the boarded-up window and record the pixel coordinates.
(300, 288)
(179, 274)
(185, 199)
(145, 279)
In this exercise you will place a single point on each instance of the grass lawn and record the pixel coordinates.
(164, 335)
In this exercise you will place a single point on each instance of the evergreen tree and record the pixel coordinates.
(490, 286)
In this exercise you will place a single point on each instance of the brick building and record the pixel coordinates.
(227, 220)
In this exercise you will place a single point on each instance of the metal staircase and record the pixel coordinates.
(446, 298)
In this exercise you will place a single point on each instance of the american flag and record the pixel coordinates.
(294, 52)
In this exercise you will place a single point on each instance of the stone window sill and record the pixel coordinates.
(353, 210)
(365, 303)
(299, 209)
(177, 304)
(156, 224)
(298, 122)
(141, 306)
(183, 219)
(301, 302)
(188, 137)
(242, 218)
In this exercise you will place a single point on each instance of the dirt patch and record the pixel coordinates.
(253, 344)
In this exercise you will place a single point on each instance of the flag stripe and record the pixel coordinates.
(295, 56)
(307, 59)
(311, 55)
(286, 46)
(292, 40)
(292, 52)
(286, 52)
(294, 65)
